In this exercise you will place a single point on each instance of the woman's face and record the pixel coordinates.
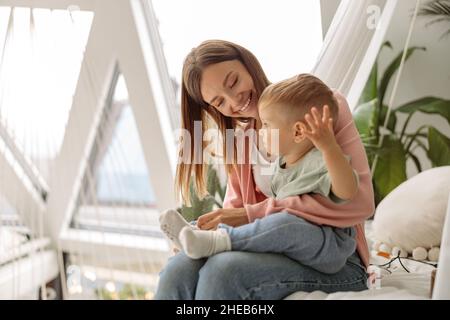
(228, 87)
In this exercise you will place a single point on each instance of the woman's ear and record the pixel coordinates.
(298, 132)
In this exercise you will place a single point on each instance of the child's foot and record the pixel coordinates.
(171, 224)
(198, 244)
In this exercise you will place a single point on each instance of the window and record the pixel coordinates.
(122, 176)
(40, 58)
(117, 195)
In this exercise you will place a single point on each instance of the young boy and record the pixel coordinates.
(310, 161)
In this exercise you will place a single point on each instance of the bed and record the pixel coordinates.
(25, 265)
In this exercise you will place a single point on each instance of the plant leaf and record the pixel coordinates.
(429, 105)
(416, 161)
(221, 190)
(392, 118)
(436, 8)
(439, 148)
(363, 116)
(366, 117)
(439, 11)
(391, 167)
(370, 91)
(211, 181)
(391, 69)
(205, 205)
(198, 206)
(445, 34)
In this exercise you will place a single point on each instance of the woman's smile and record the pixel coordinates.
(248, 104)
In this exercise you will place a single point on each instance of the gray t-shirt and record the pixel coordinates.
(308, 175)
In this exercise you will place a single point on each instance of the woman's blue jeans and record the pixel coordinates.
(242, 275)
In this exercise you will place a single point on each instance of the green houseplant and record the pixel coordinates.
(438, 11)
(400, 144)
(215, 197)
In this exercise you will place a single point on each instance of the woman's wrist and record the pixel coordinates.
(240, 217)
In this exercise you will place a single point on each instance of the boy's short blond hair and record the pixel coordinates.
(297, 95)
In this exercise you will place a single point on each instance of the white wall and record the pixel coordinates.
(426, 73)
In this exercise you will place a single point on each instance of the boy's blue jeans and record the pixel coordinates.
(265, 263)
(323, 248)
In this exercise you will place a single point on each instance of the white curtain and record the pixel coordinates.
(352, 44)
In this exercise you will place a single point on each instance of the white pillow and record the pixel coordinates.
(413, 214)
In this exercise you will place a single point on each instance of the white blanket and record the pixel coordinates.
(397, 285)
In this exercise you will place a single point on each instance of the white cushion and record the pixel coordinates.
(413, 214)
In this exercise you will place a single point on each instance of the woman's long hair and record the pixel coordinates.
(194, 108)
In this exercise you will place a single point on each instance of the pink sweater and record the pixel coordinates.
(242, 191)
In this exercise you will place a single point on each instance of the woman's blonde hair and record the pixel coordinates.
(298, 94)
(194, 108)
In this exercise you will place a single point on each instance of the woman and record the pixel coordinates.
(224, 81)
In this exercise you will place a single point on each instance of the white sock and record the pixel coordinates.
(198, 244)
(171, 224)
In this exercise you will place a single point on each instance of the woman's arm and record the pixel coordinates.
(317, 209)
(234, 217)
(233, 196)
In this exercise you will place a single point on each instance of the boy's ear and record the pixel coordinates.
(297, 132)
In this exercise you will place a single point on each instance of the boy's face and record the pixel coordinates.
(277, 130)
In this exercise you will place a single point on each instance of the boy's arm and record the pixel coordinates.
(343, 182)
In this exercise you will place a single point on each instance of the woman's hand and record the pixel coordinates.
(233, 217)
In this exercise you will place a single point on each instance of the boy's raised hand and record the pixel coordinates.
(320, 130)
